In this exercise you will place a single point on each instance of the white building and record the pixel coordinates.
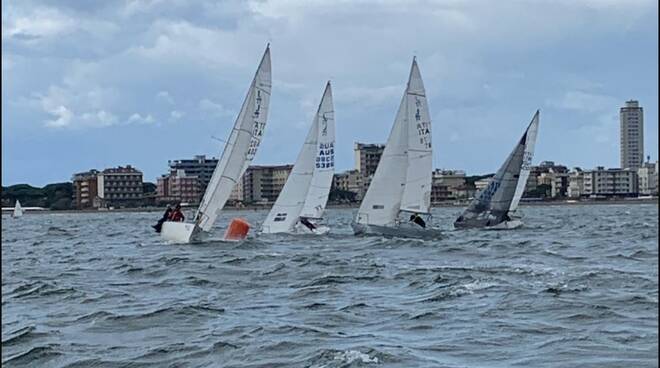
(648, 179)
(602, 182)
(575, 183)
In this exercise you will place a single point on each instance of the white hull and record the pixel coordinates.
(300, 229)
(183, 233)
(178, 232)
(397, 232)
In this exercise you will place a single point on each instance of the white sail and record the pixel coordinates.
(417, 190)
(530, 143)
(240, 147)
(324, 166)
(18, 210)
(306, 190)
(383, 200)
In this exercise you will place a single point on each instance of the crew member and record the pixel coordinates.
(307, 223)
(416, 218)
(177, 215)
(166, 216)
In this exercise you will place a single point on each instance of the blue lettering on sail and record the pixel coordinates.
(325, 158)
(490, 190)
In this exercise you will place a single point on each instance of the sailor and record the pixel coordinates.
(166, 216)
(177, 215)
(307, 223)
(416, 218)
(506, 217)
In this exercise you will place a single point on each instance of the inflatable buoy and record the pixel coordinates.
(237, 230)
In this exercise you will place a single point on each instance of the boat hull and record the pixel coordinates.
(178, 232)
(396, 232)
(504, 225)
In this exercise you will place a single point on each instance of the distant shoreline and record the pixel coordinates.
(356, 205)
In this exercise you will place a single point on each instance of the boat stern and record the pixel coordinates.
(177, 232)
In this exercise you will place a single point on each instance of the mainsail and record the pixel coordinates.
(240, 147)
(417, 190)
(306, 190)
(402, 181)
(501, 196)
(18, 210)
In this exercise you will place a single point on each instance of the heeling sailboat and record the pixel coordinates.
(402, 181)
(494, 207)
(18, 210)
(305, 193)
(238, 153)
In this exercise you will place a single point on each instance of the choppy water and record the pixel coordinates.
(577, 287)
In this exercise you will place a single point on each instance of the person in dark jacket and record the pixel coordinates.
(307, 223)
(159, 225)
(416, 218)
(177, 215)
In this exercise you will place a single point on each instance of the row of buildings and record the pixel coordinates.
(187, 179)
(186, 183)
(262, 184)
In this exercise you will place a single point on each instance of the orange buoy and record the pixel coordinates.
(237, 230)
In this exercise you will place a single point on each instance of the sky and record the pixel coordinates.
(99, 84)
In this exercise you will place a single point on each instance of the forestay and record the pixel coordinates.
(402, 180)
(305, 193)
(240, 147)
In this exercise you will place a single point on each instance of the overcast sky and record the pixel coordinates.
(94, 84)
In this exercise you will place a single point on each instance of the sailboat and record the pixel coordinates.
(401, 185)
(495, 206)
(302, 201)
(18, 210)
(238, 153)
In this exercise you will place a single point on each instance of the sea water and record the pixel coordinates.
(577, 286)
